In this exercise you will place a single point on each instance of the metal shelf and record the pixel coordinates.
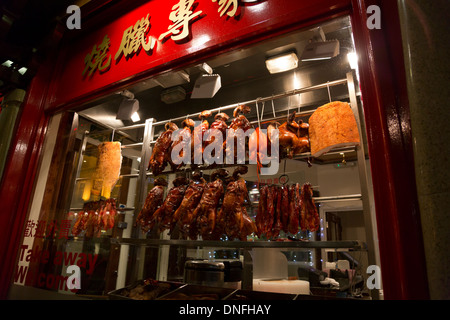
(293, 244)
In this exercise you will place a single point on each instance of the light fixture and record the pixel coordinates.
(282, 63)
(206, 86)
(321, 50)
(128, 107)
(22, 70)
(135, 117)
(7, 63)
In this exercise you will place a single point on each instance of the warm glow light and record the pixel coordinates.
(353, 60)
(87, 191)
(135, 117)
(282, 63)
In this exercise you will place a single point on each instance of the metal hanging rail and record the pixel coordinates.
(258, 100)
(231, 106)
(234, 105)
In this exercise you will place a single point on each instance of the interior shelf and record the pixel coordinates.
(297, 244)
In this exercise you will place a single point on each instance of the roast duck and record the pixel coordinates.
(183, 216)
(289, 208)
(293, 136)
(258, 147)
(95, 217)
(233, 220)
(161, 152)
(181, 143)
(153, 201)
(219, 124)
(198, 142)
(239, 122)
(203, 221)
(162, 217)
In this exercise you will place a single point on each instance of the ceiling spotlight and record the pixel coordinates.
(321, 50)
(282, 63)
(206, 86)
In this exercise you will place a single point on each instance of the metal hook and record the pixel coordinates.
(328, 87)
(289, 105)
(273, 108)
(257, 112)
(284, 175)
(299, 102)
(112, 136)
(262, 110)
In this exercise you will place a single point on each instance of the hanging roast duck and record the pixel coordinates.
(161, 151)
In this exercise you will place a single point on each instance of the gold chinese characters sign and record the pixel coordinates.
(136, 38)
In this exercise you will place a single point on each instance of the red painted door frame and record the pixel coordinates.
(389, 138)
(21, 168)
(386, 108)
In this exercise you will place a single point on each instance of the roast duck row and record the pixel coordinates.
(199, 208)
(293, 139)
(210, 210)
(286, 208)
(94, 217)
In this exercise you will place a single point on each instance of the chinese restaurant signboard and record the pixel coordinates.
(159, 34)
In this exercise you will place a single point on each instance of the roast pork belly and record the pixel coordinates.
(108, 165)
(332, 126)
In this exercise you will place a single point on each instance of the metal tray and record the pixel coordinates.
(197, 292)
(245, 295)
(153, 289)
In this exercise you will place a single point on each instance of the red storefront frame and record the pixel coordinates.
(382, 80)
